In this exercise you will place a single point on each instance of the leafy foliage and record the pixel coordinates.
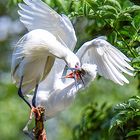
(94, 119)
(120, 123)
(119, 21)
(126, 118)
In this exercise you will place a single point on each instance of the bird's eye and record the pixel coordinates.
(77, 65)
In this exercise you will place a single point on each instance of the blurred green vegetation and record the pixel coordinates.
(90, 116)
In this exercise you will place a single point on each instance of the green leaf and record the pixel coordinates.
(133, 8)
(86, 9)
(132, 133)
(136, 22)
(117, 121)
(134, 103)
(136, 62)
(109, 15)
(73, 14)
(138, 48)
(108, 8)
(125, 33)
(128, 29)
(93, 4)
(121, 106)
(113, 3)
(137, 113)
(125, 17)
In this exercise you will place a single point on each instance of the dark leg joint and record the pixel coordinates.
(34, 97)
(21, 94)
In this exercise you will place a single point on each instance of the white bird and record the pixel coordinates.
(97, 57)
(57, 95)
(50, 36)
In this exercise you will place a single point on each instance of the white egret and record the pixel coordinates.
(50, 36)
(97, 57)
(57, 95)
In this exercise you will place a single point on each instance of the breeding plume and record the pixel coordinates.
(52, 36)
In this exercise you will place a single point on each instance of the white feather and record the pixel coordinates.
(50, 37)
(111, 63)
(34, 56)
(57, 98)
(35, 14)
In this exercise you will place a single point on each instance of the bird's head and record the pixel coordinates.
(73, 61)
(85, 73)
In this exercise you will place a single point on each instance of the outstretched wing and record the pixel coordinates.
(111, 63)
(35, 14)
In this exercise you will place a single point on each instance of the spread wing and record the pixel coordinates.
(111, 63)
(35, 14)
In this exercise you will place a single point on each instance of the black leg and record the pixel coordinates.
(20, 93)
(34, 97)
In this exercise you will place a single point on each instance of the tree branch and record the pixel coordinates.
(37, 133)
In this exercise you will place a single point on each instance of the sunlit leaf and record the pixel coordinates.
(86, 9)
(108, 8)
(93, 3)
(136, 22)
(113, 3)
(109, 15)
(132, 133)
(133, 8)
(125, 17)
(136, 62)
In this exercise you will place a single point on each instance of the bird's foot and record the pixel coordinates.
(38, 132)
(37, 111)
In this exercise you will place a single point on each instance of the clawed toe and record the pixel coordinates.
(37, 111)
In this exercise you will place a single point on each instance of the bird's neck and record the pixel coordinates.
(71, 58)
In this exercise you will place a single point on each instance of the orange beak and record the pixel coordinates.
(70, 75)
(74, 74)
(77, 75)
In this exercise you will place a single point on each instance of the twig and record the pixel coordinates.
(38, 133)
(39, 130)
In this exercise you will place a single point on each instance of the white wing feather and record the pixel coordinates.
(35, 14)
(54, 77)
(111, 63)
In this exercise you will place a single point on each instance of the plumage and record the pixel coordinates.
(34, 57)
(35, 14)
(57, 95)
(43, 42)
(47, 48)
(96, 56)
(111, 63)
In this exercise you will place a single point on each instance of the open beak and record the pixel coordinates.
(76, 74)
(70, 75)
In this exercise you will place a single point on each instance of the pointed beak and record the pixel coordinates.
(74, 74)
(70, 75)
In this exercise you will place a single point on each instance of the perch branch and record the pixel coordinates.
(37, 133)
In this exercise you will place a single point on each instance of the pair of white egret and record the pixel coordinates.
(40, 57)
